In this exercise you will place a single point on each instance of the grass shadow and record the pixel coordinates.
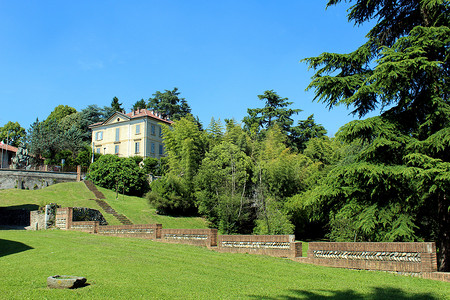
(29, 207)
(8, 247)
(376, 293)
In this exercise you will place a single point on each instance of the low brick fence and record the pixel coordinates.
(146, 231)
(85, 226)
(273, 245)
(395, 257)
(418, 258)
(197, 237)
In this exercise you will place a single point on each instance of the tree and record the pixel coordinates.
(169, 104)
(185, 147)
(222, 188)
(12, 133)
(44, 139)
(305, 131)
(60, 112)
(116, 105)
(141, 104)
(215, 132)
(404, 67)
(278, 175)
(275, 111)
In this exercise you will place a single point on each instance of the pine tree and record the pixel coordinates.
(396, 182)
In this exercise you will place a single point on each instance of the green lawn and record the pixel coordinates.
(126, 268)
(73, 194)
(76, 194)
(140, 212)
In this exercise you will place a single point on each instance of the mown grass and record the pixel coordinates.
(76, 194)
(70, 194)
(121, 268)
(140, 212)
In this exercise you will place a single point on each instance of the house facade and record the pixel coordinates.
(6, 155)
(138, 133)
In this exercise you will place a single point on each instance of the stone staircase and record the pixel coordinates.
(104, 205)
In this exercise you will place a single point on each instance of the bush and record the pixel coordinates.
(119, 174)
(168, 195)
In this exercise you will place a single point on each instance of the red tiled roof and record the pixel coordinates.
(147, 113)
(8, 148)
(138, 114)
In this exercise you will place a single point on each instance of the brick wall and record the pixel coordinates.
(198, 237)
(273, 245)
(395, 257)
(146, 231)
(85, 226)
(64, 216)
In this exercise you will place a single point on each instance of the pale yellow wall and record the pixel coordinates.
(128, 137)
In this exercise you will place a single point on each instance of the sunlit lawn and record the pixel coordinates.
(126, 268)
(76, 194)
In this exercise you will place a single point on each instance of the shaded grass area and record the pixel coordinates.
(122, 268)
(139, 211)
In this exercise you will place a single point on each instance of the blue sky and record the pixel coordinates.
(220, 54)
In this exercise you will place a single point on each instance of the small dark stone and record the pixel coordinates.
(65, 282)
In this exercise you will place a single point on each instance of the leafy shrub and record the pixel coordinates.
(119, 174)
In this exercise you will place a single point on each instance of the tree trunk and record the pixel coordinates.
(443, 242)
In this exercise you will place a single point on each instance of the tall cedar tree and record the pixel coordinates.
(403, 68)
(116, 105)
(275, 111)
(169, 104)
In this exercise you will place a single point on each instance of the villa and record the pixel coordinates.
(138, 133)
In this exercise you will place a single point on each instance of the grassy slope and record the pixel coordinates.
(72, 194)
(76, 194)
(123, 268)
(140, 212)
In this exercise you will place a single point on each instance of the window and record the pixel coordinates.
(116, 149)
(138, 129)
(98, 150)
(136, 147)
(117, 134)
(153, 129)
(99, 135)
(160, 131)
(161, 149)
(153, 148)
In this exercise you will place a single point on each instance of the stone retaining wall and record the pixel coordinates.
(33, 180)
(198, 237)
(37, 220)
(273, 245)
(395, 257)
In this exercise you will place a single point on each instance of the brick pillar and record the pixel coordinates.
(158, 231)
(429, 261)
(78, 173)
(69, 217)
(213, 238)
(296, 249)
